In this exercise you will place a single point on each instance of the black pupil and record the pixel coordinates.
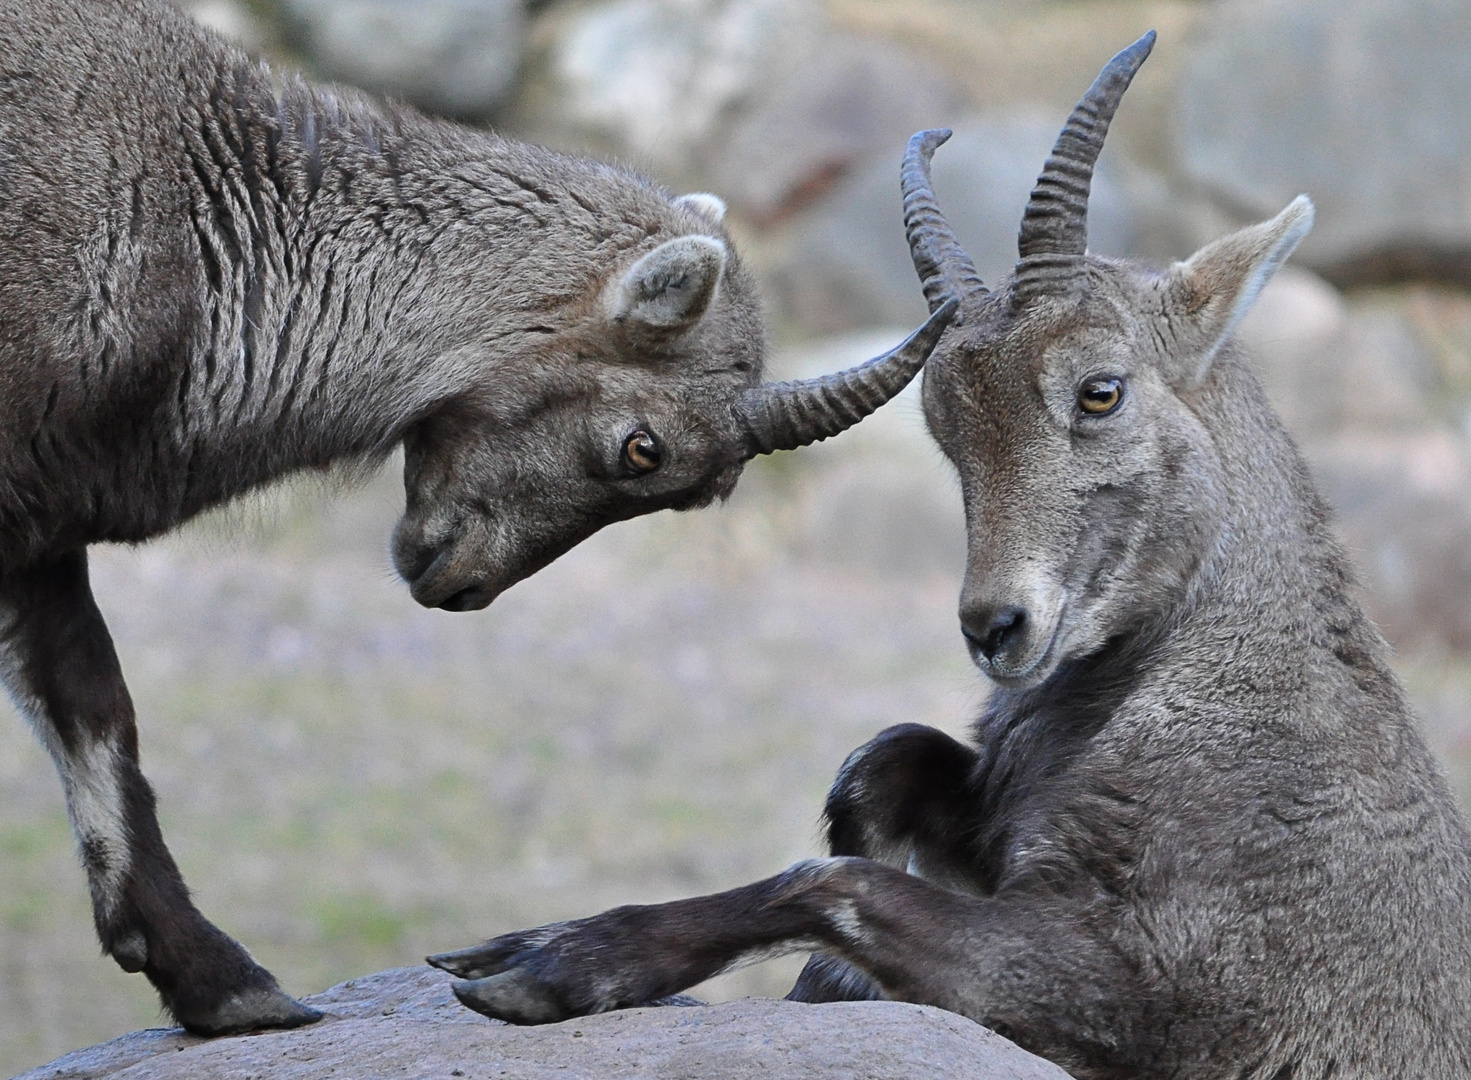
(1104, 392)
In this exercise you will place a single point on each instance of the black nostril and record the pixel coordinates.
(992, 636)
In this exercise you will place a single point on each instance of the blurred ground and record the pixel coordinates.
(350, 782)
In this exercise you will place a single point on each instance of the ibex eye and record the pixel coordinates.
(1099, 396)
(641, 452)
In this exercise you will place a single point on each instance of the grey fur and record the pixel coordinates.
(213, 273)
(1198, 834)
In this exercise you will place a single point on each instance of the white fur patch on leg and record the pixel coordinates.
(90, 776)
(94, 802)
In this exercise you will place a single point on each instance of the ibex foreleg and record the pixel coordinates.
(900, 800)
(58, 663)
(986, 958)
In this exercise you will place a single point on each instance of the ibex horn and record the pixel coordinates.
(943, 266)
(1054, 233)
(784, 416)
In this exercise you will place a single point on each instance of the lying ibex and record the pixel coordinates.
(1199, 834)
(213, 274)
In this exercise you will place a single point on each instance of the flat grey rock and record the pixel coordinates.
(1364, 104)
(457, 57)
(405, 1024)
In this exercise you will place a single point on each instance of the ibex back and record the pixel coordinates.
(1198, 834)
(213, 274)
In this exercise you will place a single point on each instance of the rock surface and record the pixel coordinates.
(760, 100)
(456, 57)
(1366, 104)
(405, 1023)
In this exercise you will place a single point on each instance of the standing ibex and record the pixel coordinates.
(213, 274)
(1199, 834)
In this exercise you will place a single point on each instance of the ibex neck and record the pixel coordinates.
(1278, 573)
(313, 244)
(361, 260)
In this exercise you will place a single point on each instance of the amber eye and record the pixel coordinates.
(1099, 396)
(642, 452)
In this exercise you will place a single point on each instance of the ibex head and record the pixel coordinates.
(644, 397)
(1076, 404)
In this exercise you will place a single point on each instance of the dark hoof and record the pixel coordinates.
(258, 1008)
(827, 978)
(513, 996)
(475, 962)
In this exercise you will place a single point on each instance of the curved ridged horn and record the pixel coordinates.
(1054, 232)
(943, 266)
(784, 416)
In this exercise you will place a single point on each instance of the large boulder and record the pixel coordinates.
(848, 263)
(651, 79)
(1331, 364)
(455, 57)
(405, 1024)
(1365, 104)
(762, 101)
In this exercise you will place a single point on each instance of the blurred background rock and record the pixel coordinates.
(350, 782)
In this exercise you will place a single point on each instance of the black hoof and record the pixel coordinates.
(513, 996)
(261, 1007)
(475, 962)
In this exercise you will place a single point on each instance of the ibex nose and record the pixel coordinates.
(989, 632)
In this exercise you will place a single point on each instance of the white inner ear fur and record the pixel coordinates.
(672, 286)
(1220, 282)
(710, 207)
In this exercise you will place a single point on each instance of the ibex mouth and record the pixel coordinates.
(443, 576)
(438, 589)
(1029, 673)
(1020, 663)
(471, 599)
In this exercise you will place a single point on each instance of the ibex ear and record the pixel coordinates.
(1210, 292)
(671, 287)
(710, 207)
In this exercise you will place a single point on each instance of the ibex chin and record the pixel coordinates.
(1198, 833)
(213, 274)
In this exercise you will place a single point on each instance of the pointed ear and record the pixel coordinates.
(1207, 295)
(671, 287)
(702, 203)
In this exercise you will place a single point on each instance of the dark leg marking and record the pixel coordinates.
(58, 663)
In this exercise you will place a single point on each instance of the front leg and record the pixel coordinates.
(901, 799)
(58, 663)
(1025, 966)
(628, 956)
